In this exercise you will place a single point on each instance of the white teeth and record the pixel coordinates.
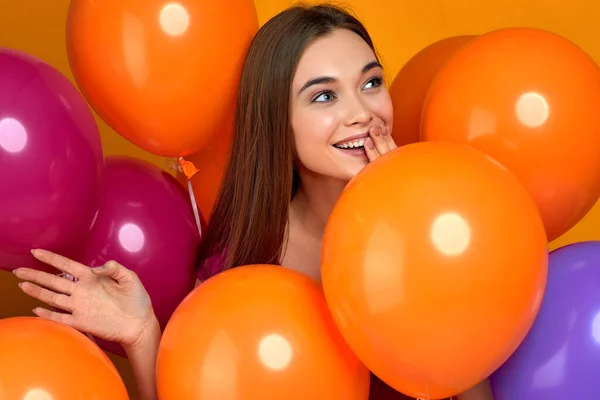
(351, 145)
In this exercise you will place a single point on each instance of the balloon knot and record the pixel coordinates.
(188, 168)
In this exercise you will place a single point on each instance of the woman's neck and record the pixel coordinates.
(314, 201)
(308, 215)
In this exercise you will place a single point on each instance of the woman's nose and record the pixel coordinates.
(358, 113)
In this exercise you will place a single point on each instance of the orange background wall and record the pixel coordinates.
(399, 28)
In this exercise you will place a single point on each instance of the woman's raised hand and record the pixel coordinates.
(108, 302)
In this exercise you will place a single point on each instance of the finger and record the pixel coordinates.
(53, 282)
(370, 149)
(388, 139)
(59, 262)
(116, 271)
(49, 297)
(376, 133)
(65, 319)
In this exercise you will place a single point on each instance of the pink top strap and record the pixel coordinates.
(210, 266)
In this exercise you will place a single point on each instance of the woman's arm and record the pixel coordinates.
(142, 357)
(481, 391)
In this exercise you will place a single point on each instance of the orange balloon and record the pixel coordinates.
(162, 74)
(434, 266)
(257, 332)
(41, 359)
(530, 99)
(410, 86)
(210, 162)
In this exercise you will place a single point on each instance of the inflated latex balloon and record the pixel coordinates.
(257, 332)
(434, 266)
(529, 99)
(43, 359)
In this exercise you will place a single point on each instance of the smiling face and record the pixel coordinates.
(337, 95)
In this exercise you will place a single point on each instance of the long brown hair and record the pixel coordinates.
(249, 219)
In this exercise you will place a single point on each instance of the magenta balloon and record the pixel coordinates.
(145, 223)
(50, 162)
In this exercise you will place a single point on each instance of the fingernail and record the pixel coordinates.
(377, 131)
(14, 271)
(384, 131)
(34, 251)
(21, 285)
(370, 144)
(99, 267)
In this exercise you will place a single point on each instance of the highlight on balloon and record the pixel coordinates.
(312, 229)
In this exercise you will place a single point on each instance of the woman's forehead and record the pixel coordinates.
(339, 54)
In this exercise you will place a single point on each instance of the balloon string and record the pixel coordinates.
(195, 207)
(189, 170)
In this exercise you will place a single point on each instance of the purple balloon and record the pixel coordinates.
(50, 162)
(145, 223)
(560, 357)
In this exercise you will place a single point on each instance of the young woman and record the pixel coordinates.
(312, 111)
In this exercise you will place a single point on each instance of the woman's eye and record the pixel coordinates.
(324, 97)
(373, 83)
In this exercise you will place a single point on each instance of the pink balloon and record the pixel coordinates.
(50, 162)
(146, 223)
